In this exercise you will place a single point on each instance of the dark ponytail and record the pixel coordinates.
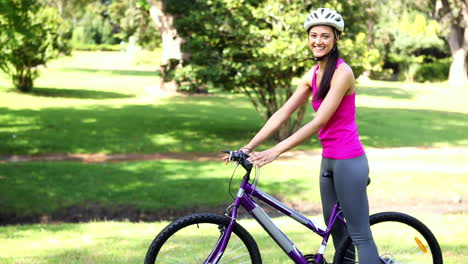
(328, 73)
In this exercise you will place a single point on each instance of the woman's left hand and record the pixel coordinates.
(260, 159)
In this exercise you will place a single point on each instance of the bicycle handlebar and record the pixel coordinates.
(240, 157)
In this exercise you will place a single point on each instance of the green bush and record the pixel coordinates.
(437, 70)
(188, 79)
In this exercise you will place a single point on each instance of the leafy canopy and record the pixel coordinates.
(256, 47)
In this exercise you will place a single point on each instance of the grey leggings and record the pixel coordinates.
(348, 186)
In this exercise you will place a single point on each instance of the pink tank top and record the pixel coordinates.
(339, 136)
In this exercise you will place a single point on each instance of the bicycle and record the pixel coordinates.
(211, 238)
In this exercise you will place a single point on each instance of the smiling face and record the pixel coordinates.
(322, 39)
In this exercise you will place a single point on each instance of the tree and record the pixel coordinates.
(453, 15)
(132, 19)
(452, 18)
(69, 10)
(30, 35)
(94, 27)
(410, 43)
(172, 55)
(252, 46)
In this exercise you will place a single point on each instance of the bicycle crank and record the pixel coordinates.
(311, 259)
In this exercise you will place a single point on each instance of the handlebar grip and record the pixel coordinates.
(240, 157)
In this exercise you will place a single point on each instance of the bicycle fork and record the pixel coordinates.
(225, 234)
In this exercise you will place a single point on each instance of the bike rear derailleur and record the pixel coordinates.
(311, 259)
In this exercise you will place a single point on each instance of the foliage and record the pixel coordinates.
(30, 36)
(245, 46)
(451, 16)
(436, 70)
(69, 10)
(133, 20)
(188, 79)
(406, 37)
(358, 54)
(94, 27)
(415, 40)
(112, 22)
(254, 47)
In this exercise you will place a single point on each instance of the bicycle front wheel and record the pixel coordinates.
(400, 238)
(191, 239)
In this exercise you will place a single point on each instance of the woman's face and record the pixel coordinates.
(321, 40)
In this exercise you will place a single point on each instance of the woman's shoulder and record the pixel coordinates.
(344, 70)
(344, 77)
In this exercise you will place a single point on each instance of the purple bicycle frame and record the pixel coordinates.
(244, 199)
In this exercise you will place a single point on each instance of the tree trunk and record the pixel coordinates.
(457, 38)
(458, 71)
(172, 55)
(23, 79)
(458, 42)
(291, 125)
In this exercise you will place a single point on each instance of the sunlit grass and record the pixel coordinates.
(135, 121)
(109, 60)
(109, 242)
(106, 104)
(434, 96)
(130, 116)
(38, 187)
(121, 242)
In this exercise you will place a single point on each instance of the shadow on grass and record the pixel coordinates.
(76, 93)
(201, 124)
(135, 191)
(45, 192)
(208, 124)
(114, 72)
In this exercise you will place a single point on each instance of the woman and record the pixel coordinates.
(332, 86)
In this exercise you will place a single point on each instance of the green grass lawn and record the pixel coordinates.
(34, 188)
(401, 182)
(107, 103)
(81, 107)
(123, 242)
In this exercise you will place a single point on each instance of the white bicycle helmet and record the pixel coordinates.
(324, 16)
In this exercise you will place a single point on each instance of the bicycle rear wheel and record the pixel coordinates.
(400, 238)
(192, 238)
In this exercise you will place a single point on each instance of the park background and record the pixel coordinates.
(112, 115)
